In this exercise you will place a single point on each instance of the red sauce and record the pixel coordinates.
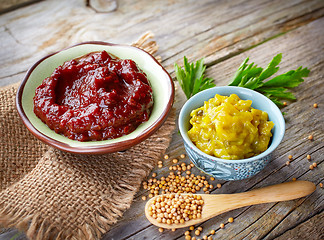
(95, 97)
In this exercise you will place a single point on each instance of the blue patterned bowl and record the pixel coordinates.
(231, 169)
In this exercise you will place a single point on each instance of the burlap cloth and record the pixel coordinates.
(51, 194)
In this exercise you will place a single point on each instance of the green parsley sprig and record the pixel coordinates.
(192, 80)
(253, 77)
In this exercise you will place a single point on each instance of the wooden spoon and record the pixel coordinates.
(215, 204)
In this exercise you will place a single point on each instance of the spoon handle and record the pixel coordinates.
(275, 193)
(281, 192)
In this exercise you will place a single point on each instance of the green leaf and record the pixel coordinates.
(272, 67)
(191, 78)
(290, 79)
(253, 77)
(279, 92)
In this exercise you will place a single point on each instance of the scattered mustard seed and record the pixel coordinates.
(154, 174)
(230, 220)
(173, 229)
(197, 232)
(166, 156)
(290, 157)
(200, 229)
(285, 103)
(143, 198)
(212, 232)
(210, 238)
(219, 185)
(205, 237)
(187, 233)
(182, 156)
(212, 178)
(287, 163)
(294, 179)
(314, 164)
(174, 160)
(315, 105)
(309, 157)
(193, 238)
(321, 185)
(161, 230)
(311, 167)
(310, 137)
(222, 225)
(160, 165)
(188, 237)
(191, 228)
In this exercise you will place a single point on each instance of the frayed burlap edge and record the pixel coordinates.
(100, 219)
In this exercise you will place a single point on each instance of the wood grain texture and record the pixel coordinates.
(225, 33)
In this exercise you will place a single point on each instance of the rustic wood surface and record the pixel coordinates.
(225, 33)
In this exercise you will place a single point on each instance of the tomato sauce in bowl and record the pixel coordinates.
(95, 97)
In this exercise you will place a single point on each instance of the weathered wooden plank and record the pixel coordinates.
(306, 229)
(9, 5)
(216, 27)
(219, 30)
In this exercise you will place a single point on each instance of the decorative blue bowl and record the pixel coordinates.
(231, 169)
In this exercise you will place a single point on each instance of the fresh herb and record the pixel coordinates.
(253, 77)
(191, 78)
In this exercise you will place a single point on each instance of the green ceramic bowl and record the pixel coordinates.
(161, 82)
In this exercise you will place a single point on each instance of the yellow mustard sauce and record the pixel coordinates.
(229, 128)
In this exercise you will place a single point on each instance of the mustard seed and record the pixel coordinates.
(219, 185)
(191, 228)
(310, 137)
(200, 228)
(187, 233)
(197, 232)
(290, 157)
(182, 156)
(193, 238)
(212, 179)
(321, 185)
(309, 157)
(314, 164)
(144, 198)
(173, 229)
(294, 179)
(160, 165)
(287, 163)
(153, 174)
(160, 162)
(161, 230)
(311, 167)
(285, 103)
(210, 238)
(166, 156)
(188, 237)
(230, 220)
(315, 105)
(212, 232)
(222, 225)
(174, 160)
(205, 237)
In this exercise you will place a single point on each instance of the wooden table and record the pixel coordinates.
(224, 33)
